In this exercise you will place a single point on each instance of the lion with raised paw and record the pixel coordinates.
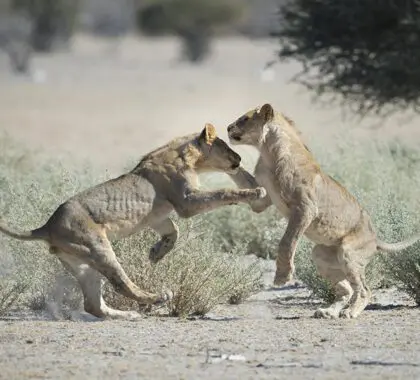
(80, 230)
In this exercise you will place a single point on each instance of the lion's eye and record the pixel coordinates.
(245, 119)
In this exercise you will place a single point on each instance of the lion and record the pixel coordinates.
(315, 205)
(80, 230)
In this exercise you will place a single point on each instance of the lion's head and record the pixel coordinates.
(248, 129)
(215, 154)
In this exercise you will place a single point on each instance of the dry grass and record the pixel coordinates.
(10, 294)
(206, 268)
(199, 276)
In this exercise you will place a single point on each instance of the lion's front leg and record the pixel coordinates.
(169, 235)
(244, 180)
(298, 223)
(193, 202)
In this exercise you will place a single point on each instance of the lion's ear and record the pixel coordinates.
(267, 112)
(208, 135)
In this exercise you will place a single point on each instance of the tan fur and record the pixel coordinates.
(80, 230)
(315, 205)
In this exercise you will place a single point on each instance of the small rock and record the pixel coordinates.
(238, 358)
(114, 353)
(217, 358)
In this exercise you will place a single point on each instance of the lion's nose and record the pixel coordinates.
(229, 128)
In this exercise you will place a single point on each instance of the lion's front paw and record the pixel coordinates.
(161, 248)
(165, 297)
(346, 314)
(260, 192)
(153, 253)
(282, 278)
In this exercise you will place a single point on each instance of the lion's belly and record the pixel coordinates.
(269, 182)
(122, 228)
(333, 225)
(324, 234)
(339, 215)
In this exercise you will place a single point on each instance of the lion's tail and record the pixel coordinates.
(37, 234)
(395, 247)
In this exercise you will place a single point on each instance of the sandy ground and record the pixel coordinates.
(270, 336)
(110, 103)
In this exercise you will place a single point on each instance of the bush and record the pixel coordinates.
(193, 21)
(404, 270)
(10, 294)
(257, 234)
(198, 276)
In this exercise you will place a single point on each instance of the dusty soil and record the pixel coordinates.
(112, 102)
(270, 336)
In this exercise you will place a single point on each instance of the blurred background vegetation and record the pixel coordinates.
(46, 25)
(363, 55)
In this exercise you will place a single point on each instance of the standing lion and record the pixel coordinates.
(315, 205)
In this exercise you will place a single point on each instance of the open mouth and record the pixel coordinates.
(235, 137)
(234, 168)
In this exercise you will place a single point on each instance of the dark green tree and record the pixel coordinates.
(365, 54)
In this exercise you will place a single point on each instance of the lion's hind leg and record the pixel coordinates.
(91, 282)
(97, 252)
(104, 260)
(354, 263)
(328, 266)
